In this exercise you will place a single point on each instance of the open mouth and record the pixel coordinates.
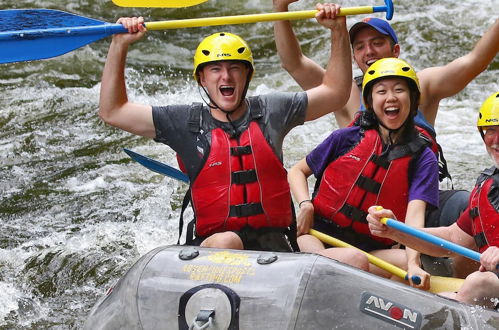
(392, 112)
(371, 61)
(227, 90)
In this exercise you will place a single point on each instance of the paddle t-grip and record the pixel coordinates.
(389, 9)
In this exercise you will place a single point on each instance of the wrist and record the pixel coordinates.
(304, 201)
(280, 7)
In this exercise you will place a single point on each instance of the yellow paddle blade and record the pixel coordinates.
(437, 283)
(158, 3)
(445, 284)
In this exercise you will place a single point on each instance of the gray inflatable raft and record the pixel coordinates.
(179, 287)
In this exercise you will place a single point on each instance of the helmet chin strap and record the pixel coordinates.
(213, 105)
(392, 131)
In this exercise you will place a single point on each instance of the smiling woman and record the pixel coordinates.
(391, 94)
(382, 159)
(391, 104)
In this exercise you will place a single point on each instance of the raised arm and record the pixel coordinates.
(114, 107)
(334, 91)
(304, 71)
(445, 81)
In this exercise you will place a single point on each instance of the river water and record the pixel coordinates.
(76, 212)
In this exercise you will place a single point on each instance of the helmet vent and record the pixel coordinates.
(240, 50)
(405, 68)
(371, 72)
(222, 34)
(206, 52)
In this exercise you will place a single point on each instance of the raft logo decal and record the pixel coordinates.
(390, 311)
(224, 267)
(228, 258)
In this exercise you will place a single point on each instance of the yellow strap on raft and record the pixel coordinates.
(437, 283)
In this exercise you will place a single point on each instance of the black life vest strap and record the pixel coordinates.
(380, 161)
(368, 184)
(185, 202)
(194, 122)
(443, 170)
(240, 150)
(485, 174)
(474, 212)
(292, 232)
(255, 108)
(245, 210)
(414, 147)
(354, 213)
(480, 240)
(244, 177)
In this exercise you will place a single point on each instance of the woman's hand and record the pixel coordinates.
(414, 270)
(374, 218)
(305, 218)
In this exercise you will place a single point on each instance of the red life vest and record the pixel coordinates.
(484, 215)
(242, 182)
(432, 138)
(443, 171)
(362, 178)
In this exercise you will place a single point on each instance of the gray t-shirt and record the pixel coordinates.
(280, 113)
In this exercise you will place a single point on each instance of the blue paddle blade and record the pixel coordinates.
(157, 166)
(34, 34)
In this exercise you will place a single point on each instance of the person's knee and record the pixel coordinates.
(310, 244)
(225, 240)
(478, 288)
(482, 280)
(349, 256)
(358, 259)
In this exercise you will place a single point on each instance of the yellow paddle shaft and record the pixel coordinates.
(243, 19)
(372, 259)
(437, 283)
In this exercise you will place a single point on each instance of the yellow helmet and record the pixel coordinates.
(222, 46)
(387, 67)
(489, 112)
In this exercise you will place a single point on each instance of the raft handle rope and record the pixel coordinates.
(205, 317)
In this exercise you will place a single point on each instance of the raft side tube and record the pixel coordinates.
(233, 289)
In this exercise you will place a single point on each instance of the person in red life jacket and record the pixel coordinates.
(477, 228)
(373, 39)
(231, 148)
(383, 158)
